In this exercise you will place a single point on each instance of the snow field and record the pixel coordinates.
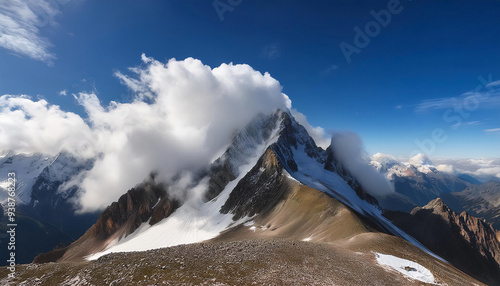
(407, 268)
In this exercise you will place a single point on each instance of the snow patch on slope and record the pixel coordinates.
(408, 268)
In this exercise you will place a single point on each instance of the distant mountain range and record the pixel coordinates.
(416, 182)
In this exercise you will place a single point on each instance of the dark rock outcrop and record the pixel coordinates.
(241, 149)
(260, 190)
(134, 208)
(147, 201)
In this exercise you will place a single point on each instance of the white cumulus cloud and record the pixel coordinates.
(483, 170)
(184, 112)
(348, 149)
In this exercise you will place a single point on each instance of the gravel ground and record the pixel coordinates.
(253, 262)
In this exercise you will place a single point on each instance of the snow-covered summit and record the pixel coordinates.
(420, 159)
(384, 162)
(37, 170)
(422, 163)
(384, 158)
(26, 168)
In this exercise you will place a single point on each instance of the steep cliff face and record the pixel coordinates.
(138, 205)
(465, 241)
(260, 190)
(146, 202)
(241, 150)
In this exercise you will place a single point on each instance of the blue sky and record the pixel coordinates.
(393, 93)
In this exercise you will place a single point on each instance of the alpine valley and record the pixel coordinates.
(274, 208)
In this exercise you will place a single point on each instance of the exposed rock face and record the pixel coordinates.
(146, 201)
(164, 209)
(291, 135)
(133, 208)
(259, 191)
(465, 241)
(225, 168)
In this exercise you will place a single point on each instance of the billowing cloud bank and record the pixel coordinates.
(184, 112)
(484, 170)
(348, 149)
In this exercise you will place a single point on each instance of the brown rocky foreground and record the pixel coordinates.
(251, 262)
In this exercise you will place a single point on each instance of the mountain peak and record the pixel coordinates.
(420, 159)
(384, 158)
(437, 205)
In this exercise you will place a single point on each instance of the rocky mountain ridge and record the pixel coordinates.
(465, 241)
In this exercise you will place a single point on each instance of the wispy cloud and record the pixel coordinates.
(493, 84)
(445, 103)
(437, 103)
(329, 70)
(486, 95)
(468, 123)
(494, 130)
(20, 23)
(271, 51)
